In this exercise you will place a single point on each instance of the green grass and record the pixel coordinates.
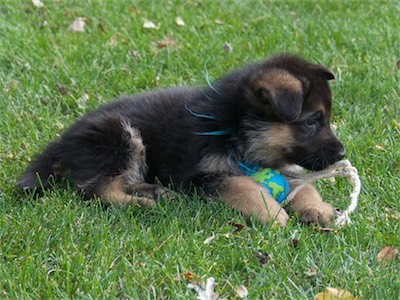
(58, 246)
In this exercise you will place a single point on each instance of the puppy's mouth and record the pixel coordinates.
(319, 160)
(315, 163)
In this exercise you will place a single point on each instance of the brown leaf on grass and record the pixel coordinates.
(398, 64)
(334, 294)
(189, 276)
(78, 25)
(238, 226)
(379, 147)
(263, 258)
(387, 253)
(167, 42)
(218, 22)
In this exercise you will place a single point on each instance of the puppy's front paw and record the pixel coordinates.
(320, 212)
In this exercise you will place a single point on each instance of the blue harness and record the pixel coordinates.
(271, 180)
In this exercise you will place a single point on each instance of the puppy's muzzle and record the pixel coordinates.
(329, 154)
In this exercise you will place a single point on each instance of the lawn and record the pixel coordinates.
(57, 246)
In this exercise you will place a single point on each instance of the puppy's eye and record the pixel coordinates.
(264, 95)
(314, 120)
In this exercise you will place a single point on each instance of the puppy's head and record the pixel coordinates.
(288, 122)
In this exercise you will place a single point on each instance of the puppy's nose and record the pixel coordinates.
(340, 153)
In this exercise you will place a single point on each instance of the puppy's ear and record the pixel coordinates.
(286, 104)
(326, 73)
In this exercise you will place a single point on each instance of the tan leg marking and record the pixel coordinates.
(114, 193)
(312, 209)
(244, 194)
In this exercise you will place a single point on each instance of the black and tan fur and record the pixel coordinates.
(270, 113)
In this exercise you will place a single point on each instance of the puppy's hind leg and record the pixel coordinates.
(114, 192)
(129, 187)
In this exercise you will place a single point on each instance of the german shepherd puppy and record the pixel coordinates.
(270, 113)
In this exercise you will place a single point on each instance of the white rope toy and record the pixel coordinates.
(342, 168)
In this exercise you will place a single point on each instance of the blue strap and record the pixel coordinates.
(209, 83)
(215, 133)
(248, 169)
(200, 115)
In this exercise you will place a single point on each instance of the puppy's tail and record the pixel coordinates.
(42, 169)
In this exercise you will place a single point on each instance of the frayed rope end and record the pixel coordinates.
(342, 168)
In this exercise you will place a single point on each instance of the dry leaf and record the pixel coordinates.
(179, 21)
(78, 25)
(334, 294)
(189, 276)
(238, 226)
(379, 147)
(167, 42)
(204, 292)
(209, 239)
(242, 291)
(149, 25)
(262, 258)
(387, 253)
(228, 47)
(398, 64)
(218, 22)
(37, 3)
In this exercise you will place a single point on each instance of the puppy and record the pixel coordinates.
(270, 113)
